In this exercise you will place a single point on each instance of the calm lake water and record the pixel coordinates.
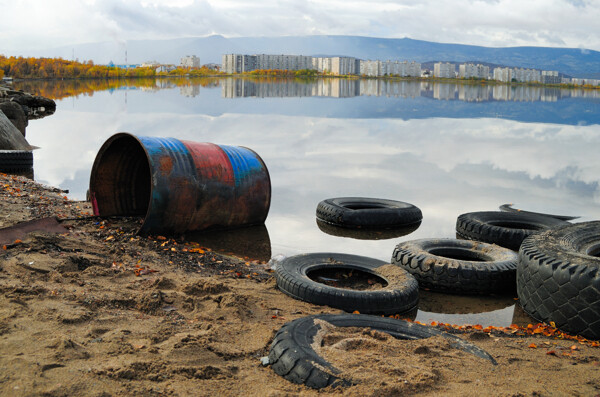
(447, 148)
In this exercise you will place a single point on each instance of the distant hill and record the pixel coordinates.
(569, 61)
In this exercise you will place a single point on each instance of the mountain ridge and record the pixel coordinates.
(570, 61)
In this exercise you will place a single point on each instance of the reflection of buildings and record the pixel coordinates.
(473, 93)
(346, 88)
(190, 90)
(444, 91)
(335, 88)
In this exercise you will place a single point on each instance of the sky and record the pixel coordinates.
(40, 24)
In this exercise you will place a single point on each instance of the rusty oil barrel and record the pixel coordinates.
(179, 186)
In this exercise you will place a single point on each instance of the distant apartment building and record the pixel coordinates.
(526, 75)
(322, 64)
(444, 70)
(402, 69)
(389, 68)
(343, 65)
(282, 62)
(236, 63)
(469, 70)
(506, 75)
(190, 61)
(550, 77)
(503, 74)
(336, 65)
(370, 68)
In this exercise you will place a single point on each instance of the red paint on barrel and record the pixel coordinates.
(212, 164)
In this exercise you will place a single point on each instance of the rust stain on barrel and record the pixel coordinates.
(165, 165)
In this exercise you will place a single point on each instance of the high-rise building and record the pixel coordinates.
(469, 70)
(190, 61)
(444, 70)
(550, 77)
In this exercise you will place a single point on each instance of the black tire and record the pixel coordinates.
(458, 266)
(558, 278)
(509, 208)
(292, 356)
(16, 160)
(400, 295)
(370, 213)
(507, 229)
(367, 234)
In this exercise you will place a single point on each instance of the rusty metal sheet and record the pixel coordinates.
(8, 235)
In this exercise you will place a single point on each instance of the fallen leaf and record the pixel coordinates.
(532, 346)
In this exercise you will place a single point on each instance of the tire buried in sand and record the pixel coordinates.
(292, 355)
(507, 229)
(368, 213)
(458, 266)
(558, 278)
(348, 282)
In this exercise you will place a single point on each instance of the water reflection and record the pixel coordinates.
(363, 98)
(320, 87)
(496, 310)
(346, 88)
(250, 243)
(365, 234)
(447, 157)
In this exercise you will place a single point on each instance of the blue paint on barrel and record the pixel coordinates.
(244, 162)
(179, 186)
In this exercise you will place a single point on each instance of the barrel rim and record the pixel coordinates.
(268, 179)
(105, 146)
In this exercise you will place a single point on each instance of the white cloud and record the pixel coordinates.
(50, 23)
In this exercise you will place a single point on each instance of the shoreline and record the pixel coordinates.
(315, 77)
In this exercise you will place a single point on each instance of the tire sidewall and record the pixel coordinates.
(383, 214)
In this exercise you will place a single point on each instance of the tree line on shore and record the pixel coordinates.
(56, 68)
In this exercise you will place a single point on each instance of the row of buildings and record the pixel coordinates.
(238, 63)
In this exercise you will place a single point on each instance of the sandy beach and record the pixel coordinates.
(89, 308)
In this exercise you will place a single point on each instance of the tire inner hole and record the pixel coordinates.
(594, 251)
(348, 278)
(516, 225)
(461, 254)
